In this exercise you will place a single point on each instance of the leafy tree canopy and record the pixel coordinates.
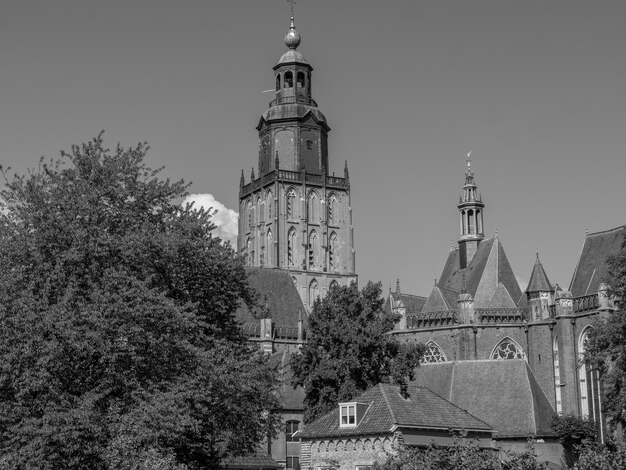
(118, 342)
(461, 455)
(348, 349)
(605, 351)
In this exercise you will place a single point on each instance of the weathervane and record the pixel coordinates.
(469, 160)
(292, 2)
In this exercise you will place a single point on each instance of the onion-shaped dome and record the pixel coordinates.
(292, 39)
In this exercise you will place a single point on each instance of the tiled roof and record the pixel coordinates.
(412, 303)
(488, 268)
(277, 291)
(504, 394)
(290, 398)
(423, 409)
(592, 269)
(440, 300)
(258, 460)
(539, 279)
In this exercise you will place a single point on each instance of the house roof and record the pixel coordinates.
(258, 459)
(290, 398)
(504, 394)
(277, 292)
(386, 408)
(485, 272)
(592, 269)
(539, 279)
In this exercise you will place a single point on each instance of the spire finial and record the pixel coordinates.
(292, 40)
(469, 173)
(586, 230)
(398, 286)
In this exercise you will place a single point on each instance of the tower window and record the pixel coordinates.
(288, 80)
(309, 145)
(332, 251)
(277, 82)
(291, 428)
(300, 80)
(291, 200)
(291, 243)
(313, 250)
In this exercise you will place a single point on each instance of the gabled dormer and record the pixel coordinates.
(351, 413)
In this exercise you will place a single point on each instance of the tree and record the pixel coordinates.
(118, 342)
(574, 433)
(461, 454)
(605, 351)
(349, 350)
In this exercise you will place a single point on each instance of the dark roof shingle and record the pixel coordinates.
(386, 408)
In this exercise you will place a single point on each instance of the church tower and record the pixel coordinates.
(471, 211)
(293, 215)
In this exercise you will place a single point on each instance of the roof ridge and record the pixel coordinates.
(602, 232)
(389, 407)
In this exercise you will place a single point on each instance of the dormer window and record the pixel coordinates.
(347, 415)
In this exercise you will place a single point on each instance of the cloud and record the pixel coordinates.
(225, 219)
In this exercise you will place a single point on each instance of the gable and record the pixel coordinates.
(592, 269)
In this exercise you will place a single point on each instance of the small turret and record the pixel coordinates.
(242, 181)
(540, 293)
(471, 212)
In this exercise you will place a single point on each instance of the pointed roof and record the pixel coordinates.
(539, 279)
(488, 271)
(412, 303)
(592, 269)
(386, 408)
(276, 291)
(504, 394)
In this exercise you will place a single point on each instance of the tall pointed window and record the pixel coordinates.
(314, 292)
(433, 353)
(589, 381)
(333, 252)
(291, 204)
(269, 202)
(332, 208)
(312, 208)
(249, 252)
(250, 216)
(269, 248)
(507, 349)
(557, 376)
(291, 246)
(313, 250)
(260, 207)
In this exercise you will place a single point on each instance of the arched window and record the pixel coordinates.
(269, 202)
(433, 353)
(269, 249)
(312, 208)
(250, 216)
(557, 376)
(313, 250)
(333, 285)
(332, 208)
(479, 222)
(291, 204)
(463, 223)
(333, 252)
(288, 80)
(291, 246)
(470, 221)
(278, 82)
(589, 381)
(300, 80)
(249, 252)
(260, 207)
(314, 292)
(507, 349)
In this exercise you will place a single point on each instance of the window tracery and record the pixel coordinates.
(433, 353)
(507, 349)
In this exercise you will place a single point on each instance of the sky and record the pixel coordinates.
(534, 88)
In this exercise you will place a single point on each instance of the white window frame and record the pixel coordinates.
(350, 412)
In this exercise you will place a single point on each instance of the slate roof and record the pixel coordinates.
(290, 398)
(412, 303)
(277, 291)
(488, 269)
(592, 269)
(539, 279)
(504, 394)
(423, 409)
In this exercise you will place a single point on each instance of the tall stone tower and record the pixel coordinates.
(471, 211)
(292, 214)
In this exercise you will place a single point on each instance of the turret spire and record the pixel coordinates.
(471, 212)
